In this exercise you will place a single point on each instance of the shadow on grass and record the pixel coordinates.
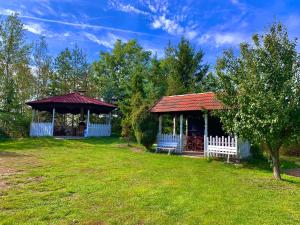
(4, 154)
(41, 142)
(28, 143)
(263, 164)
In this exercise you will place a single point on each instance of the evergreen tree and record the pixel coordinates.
(43, 68)
(186, 68)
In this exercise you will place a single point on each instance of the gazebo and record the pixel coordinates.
(75, 104)
(200, 133)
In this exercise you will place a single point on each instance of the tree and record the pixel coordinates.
(16, 80)
(120, 76)
(43, 68)
(61, 81)
(260, 90)
(186, 68)
(14, 65)
(71, 72)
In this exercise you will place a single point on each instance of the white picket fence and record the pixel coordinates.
(221, 146)
(227, 146)
(98, 130)
(41, 129)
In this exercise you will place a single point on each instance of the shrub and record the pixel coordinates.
(14, 124)
(145, 126)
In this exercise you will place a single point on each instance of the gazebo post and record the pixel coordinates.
(159, 124)
(53, 122)
(186, 126)
(181, 132)
(87, 122)
(205, 133)
(174, 125)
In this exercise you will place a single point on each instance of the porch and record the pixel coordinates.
(199, 132)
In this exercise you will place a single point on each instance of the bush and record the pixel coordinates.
(145, 127)
(14, 124)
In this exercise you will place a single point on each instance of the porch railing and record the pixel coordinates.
(227, 146)
(172, 138)
(41, 129)
(98, 130)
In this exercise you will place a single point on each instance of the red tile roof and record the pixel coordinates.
(72, 98)
(188, 102)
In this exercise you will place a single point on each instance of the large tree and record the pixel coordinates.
(43, 70)
(260, 90)
(14, 65)
(185, 67)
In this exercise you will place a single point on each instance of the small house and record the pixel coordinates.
(199, 131)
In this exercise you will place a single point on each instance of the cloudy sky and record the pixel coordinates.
(212, 25)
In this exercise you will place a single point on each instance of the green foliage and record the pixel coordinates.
(14, 124)
(185, 66)
(260, 90)
(145, 126)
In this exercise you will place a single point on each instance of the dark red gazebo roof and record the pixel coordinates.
(187, 102)
(71, 103)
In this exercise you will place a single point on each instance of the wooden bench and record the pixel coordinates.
(168, 146)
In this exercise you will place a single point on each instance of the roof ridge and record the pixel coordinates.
(191, 94)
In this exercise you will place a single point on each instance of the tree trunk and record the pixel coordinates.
(276, 163)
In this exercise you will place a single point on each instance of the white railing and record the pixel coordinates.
(98, 130)
(226, 146)
(221, 146)
(171, 138)
(41, 129)
(168, 138)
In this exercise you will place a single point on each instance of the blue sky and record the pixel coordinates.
(212, 25)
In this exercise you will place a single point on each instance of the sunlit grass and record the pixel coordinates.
(103, 181)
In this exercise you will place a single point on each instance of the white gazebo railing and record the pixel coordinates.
(227, 146)
(166, 140)
(98, 130)
(41, 129)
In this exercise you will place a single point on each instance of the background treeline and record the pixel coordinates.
(129, 76)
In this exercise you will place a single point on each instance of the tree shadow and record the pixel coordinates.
(28, 143)
(263, 164)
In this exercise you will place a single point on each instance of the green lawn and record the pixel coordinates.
(101, 181)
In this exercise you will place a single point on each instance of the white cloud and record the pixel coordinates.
(219, 39)
(34, 28)
(128, 8)
(229, 38)
(107, 41)
(235, 1)
(168, 25)
(8, 12)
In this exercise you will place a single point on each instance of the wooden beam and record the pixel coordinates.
(186, 126)
(181, 132)
(205, 132)
(53, 120)
(87, 123)
(174, 125)
(159, 124)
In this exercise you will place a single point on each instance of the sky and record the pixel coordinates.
(94, 25)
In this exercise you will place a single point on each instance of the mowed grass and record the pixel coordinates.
(101, 181)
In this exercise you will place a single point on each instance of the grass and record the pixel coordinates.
(102, 181)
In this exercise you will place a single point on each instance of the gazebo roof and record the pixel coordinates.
(71, 103)
(187, 102)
